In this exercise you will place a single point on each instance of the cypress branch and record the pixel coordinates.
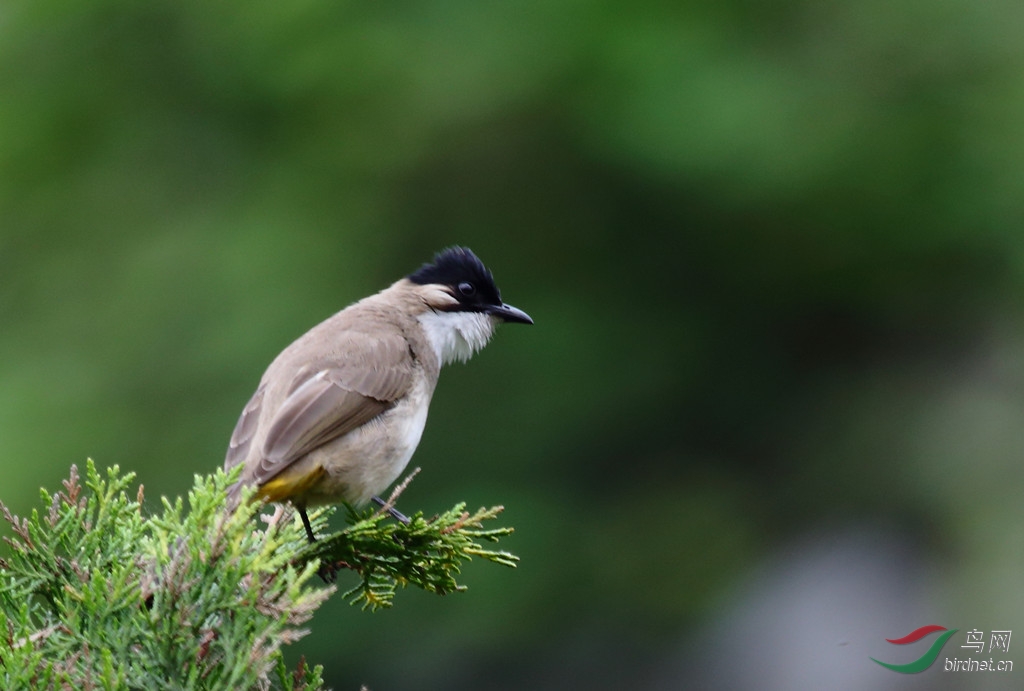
(95, 594)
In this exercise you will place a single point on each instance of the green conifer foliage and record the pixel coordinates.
(97, 594)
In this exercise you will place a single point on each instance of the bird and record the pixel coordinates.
(339, 413)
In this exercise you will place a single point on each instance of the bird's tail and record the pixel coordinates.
(234, 496)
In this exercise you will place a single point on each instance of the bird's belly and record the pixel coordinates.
(364, 462)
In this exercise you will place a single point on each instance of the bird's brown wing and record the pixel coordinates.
(241, 437)
(327, 401)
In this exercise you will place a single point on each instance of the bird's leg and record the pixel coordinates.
(305, 523)
(395, 513)
(328, 572)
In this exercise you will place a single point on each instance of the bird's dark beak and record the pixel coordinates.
(509, 313)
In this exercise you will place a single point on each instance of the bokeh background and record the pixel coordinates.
(772, 409)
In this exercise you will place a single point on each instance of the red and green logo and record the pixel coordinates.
(925, 661)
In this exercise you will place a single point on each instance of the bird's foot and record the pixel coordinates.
(328, 572)
(395, 513)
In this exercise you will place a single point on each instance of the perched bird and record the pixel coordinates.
(339, 413)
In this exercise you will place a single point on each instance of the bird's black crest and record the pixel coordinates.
(457, 265)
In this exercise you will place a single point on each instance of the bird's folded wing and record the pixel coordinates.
(241, 437)
(330, 400)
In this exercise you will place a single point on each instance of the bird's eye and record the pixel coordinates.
(467, 288)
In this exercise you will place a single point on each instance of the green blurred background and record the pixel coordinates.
(771, 409)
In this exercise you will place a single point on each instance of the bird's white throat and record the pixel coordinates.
(457, 335)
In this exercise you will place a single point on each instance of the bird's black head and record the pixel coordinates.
(469, 281)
